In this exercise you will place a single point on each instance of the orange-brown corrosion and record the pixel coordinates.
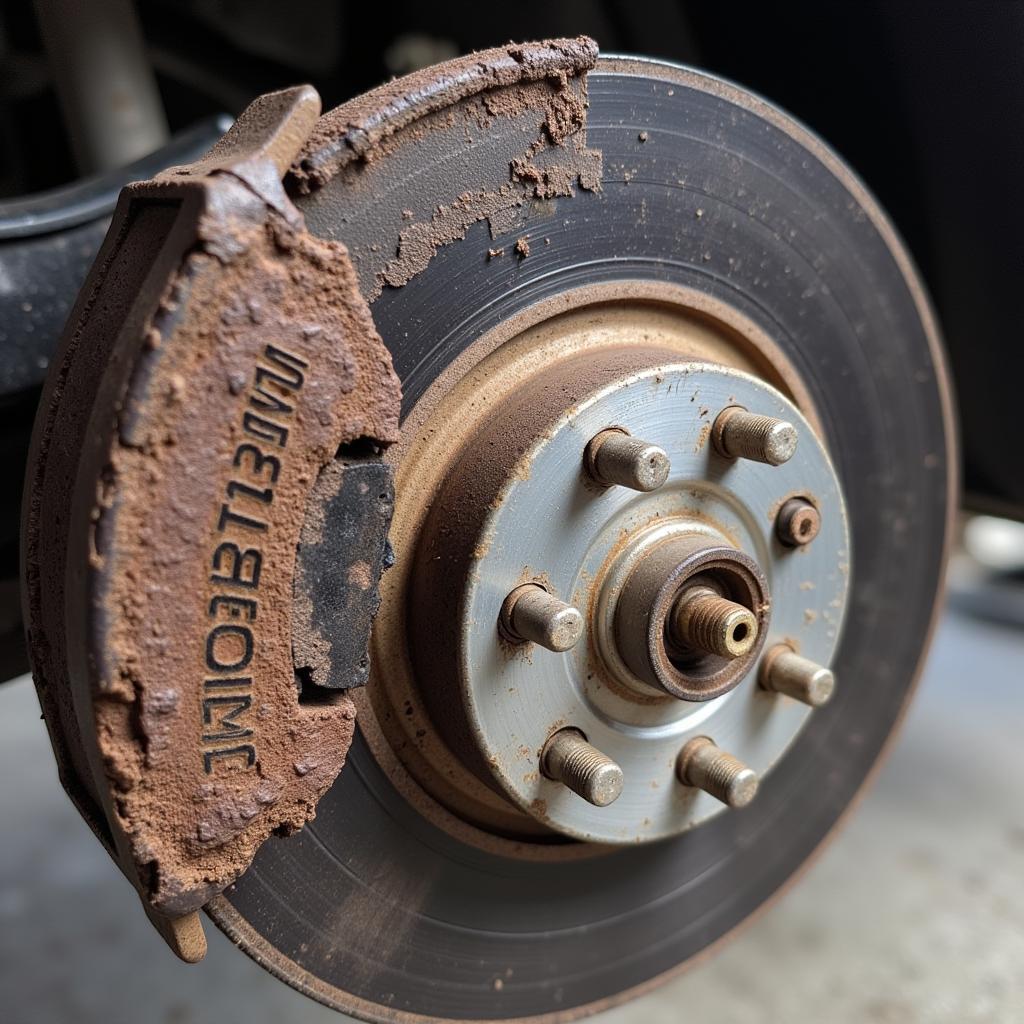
(541, 86)
(222, 387)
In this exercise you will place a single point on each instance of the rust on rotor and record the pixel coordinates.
(541, 86)
(217, 359)
(221, 359)
(356, 130)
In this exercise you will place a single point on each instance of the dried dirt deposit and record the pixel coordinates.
(203, 419)
(544, 83)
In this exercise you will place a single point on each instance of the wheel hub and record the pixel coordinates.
(637, 577)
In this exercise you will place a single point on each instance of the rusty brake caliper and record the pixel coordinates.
(219, 405)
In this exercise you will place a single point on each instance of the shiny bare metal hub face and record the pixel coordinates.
(612, 578)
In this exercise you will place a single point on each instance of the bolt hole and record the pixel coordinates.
(739, 633)
(805, 528)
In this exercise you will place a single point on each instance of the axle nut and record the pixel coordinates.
(689, 617)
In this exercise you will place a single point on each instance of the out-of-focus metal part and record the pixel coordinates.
(568, 758)
(798, 523)
(94, 197)
(616, 457)
(47, 244)
(531, 615)
(105, 84)
(984, 577)
(738, 434)
(784, 671)
(997, 545)
(411, 51)
(704, 765)
(703, 619)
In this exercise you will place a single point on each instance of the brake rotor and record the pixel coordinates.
(554, 247)
(716, 207)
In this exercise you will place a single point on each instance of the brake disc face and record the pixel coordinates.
(709, 222)
(565, 256)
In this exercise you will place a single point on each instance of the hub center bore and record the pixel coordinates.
(690, 618)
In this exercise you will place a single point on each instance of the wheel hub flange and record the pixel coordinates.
(523, 509)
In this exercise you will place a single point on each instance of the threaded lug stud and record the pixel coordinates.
(616, 457)
(705, 766)
(784, 671)
(705, 620)
(531, 615)
(738, 434)
(568, 758)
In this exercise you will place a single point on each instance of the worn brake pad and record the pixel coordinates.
(194, 440)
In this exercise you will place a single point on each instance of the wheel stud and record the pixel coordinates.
(531, 614)
(616, 457)
(568, 758)
(738, 434)
(798, 523)
(704, 765)
(784, 671)
(713, 624)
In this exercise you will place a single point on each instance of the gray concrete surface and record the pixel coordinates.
(914, 915)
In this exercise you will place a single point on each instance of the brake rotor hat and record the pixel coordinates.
(626, 558)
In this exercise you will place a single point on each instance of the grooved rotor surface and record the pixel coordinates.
(380, 912)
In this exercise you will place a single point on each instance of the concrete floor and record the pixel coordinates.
(914, 915)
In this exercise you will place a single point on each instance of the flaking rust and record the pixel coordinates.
(543, 82)
(219, 358)
(161, 600)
